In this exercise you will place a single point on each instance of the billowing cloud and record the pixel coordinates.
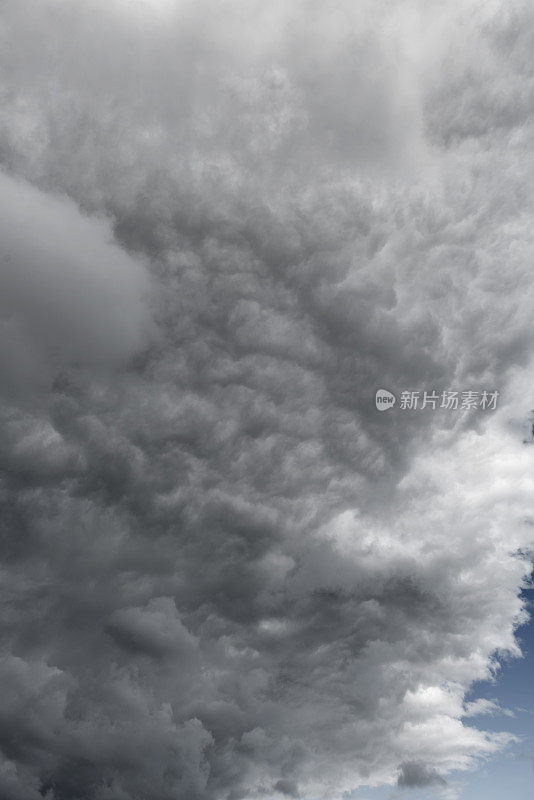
(224, 574)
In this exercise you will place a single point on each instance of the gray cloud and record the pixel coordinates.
(224, 575)
(155, 630)
(68, 293)
(414, 775)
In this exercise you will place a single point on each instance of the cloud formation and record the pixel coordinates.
(224, 575)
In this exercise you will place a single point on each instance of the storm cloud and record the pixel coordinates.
(224, 226)
(415, 775)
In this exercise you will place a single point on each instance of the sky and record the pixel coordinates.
(227, 228)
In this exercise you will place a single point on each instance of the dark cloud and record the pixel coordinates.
(286, 787)
(414, 775)
(223, 574)
(155, 630)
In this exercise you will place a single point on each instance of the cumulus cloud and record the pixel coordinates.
(224, 574)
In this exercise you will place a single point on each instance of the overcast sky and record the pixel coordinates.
(225, 224)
